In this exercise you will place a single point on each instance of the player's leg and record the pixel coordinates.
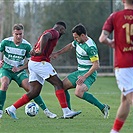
(67, 85)
(5, 81)
(124, 78)
(121, 115)
(60, 94)
(68, 99)
(81, 92)
(38, 100)
(35, 89)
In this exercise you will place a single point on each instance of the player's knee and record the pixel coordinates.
(78, 94)
(31, 95)
(58, 86)
(4, 86)
(131, 102)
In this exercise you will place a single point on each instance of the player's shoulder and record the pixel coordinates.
(114, 14)
(51, 32)
(90, 42)
(54, 33)
(8, 39)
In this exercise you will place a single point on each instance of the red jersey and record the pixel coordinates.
(122, 24)
(48, 47)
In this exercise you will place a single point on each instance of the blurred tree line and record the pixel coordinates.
(37, 16)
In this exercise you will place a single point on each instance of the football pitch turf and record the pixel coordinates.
(89, 121)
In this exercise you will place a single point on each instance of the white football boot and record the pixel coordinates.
(49, 114)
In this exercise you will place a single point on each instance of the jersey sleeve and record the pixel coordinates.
(108, 25)
(74, 43)
(54, 33)
(28, 51)
(2, 45)
(93, 54)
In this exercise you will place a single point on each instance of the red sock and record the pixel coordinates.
(20, 102)
(118, 124)
(60, 94)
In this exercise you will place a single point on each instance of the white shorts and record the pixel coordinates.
(124, 78)
(39, 71)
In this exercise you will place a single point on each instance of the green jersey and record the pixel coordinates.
(86, 53)
(14, 55)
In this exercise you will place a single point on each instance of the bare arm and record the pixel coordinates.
(94, 67)
(17, 69)
(104, 38)
(61, 51)
(43, 41)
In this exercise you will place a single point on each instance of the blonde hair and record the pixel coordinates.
(18, 27)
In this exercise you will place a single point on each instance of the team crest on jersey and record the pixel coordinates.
(23, 51)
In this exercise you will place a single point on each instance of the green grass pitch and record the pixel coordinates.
(89, 121)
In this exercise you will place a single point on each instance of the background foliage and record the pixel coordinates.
(38, 15)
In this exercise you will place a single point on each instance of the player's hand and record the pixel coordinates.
(54, 55)
(80, 80)
(1, 63)
(34, 53)
(112, 43)
(15, 69)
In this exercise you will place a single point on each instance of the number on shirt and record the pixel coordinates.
(129, 32)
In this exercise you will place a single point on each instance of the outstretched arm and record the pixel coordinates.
(61, 51)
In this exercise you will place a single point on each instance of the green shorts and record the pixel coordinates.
(73, 77)
(18, 76)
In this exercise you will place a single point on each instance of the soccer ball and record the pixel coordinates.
(31, 109)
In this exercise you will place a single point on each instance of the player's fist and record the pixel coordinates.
(35, 52)
(15, 69)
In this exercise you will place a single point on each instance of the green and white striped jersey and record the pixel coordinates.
(14, 55)
(86, 53)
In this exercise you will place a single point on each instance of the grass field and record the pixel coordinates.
(89, 121)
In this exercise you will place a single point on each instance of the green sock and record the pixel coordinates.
(68, 99)
(40, 102)
(91, 99)
(2, 99)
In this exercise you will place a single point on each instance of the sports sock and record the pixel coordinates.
(20, 102)
(60, 94)
(91, 99)
(68, 99)
(2, 99)
(113, 131)
(118, 124)
(40, 102)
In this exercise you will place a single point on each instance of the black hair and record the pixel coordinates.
(79, 29)
(61, 23)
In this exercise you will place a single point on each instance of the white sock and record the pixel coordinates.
(113, 131)
(12, 108)
(66, 110)
(46, 109)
